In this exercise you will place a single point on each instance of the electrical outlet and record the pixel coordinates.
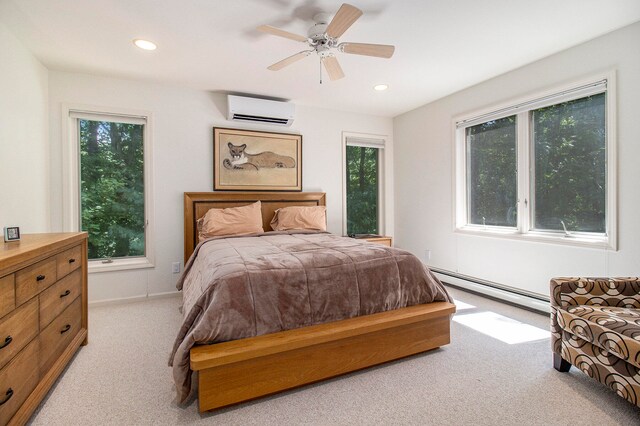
(427, 255)
(175, 267)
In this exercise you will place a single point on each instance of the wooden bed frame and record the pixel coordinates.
(241, 370)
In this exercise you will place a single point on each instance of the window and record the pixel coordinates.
(491, 172)
(569, 145)
(363, 184)
(542, 168)
(111, 190)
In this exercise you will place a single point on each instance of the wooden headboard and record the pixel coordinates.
(196, 205)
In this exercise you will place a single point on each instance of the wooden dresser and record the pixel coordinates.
(43, 317)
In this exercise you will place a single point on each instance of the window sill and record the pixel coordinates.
(573, 240)
(96, 266)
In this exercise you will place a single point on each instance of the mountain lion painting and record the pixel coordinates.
(242, 160)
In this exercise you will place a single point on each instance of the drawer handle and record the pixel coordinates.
(72, 260)
(40, 277)
(65, 294)
(8, 396)
(6, 342)
(65, 329)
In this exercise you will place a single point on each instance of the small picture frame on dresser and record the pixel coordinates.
(11, 233)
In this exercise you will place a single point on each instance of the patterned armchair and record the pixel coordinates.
(595, 326)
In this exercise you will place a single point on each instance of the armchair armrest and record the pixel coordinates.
(621, 292)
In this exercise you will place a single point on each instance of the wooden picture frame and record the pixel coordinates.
(247, 160)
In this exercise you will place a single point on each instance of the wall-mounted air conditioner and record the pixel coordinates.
(260, 111)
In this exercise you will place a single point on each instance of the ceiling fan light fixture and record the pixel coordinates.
(145, 44)
(380, 87)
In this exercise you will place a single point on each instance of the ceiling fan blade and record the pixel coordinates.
(345, 17)
(288, 61)
(333, 67)
(281, 33)
(378, 50)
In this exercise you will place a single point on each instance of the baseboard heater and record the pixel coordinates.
(494, 290)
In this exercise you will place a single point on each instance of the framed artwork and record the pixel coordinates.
(245, 160)
(11, 233)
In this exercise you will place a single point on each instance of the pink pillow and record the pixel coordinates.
(299, 217)
(232, 221)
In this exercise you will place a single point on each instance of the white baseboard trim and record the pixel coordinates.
(476, 286)
(123, 300)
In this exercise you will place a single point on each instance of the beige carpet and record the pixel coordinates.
(122, 378)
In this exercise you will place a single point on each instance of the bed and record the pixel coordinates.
(233, 371)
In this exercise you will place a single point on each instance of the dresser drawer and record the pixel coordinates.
(60, 295)
(7, 295)
(57, 336)
(32, 280)
(69, 260)
(16, 330)
(17, 380)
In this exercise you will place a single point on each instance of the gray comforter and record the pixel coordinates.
(238, 287)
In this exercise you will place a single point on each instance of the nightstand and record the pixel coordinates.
(387, 241)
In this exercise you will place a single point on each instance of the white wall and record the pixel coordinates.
(183, 161)
(424, 147)
(24, 140)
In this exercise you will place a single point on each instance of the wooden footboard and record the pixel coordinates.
(240, 370)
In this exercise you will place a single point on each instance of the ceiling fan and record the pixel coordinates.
(323, 40)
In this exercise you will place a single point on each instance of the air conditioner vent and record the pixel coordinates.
(244, 117)
(260, 111)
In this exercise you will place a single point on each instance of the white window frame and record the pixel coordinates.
(371, 141)
(71, 177)
(602, 83)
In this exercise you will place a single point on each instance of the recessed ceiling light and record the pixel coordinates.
(145, 44)
(380, 87)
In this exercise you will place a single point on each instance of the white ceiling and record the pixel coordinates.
(441, 46)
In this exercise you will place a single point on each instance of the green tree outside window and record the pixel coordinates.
(570, 165)
(362, 176)
(112, 188)
(492, 173)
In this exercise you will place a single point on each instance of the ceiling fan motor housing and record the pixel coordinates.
(317, 31)
(324, 50)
